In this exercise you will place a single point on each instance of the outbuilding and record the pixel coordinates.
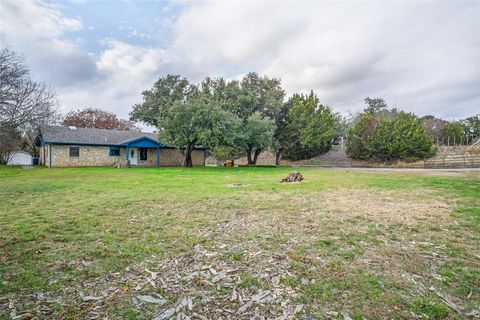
(20, 158)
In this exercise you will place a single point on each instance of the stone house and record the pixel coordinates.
(75, 147)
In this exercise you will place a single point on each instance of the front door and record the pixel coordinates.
(133, 156)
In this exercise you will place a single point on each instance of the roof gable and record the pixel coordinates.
(142, 142)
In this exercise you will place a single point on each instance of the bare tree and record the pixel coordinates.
(9, 143)
(24, 104)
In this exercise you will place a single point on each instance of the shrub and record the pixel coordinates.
(398, 137)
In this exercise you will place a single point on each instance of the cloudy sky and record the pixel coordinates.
(422, 57)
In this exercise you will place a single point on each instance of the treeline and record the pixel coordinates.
(248, 116)
(237, 118)
(232, 118)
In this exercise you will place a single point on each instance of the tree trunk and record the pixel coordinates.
(255, 156)
(249, 156)
(187, 155)
(278, 158)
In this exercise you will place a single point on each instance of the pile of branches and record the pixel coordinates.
(293, 176)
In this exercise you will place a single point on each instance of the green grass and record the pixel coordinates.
(63, 228)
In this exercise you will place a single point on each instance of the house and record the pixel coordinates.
(74, 147)
(20, 158)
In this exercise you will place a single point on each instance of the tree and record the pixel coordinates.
(388, 134)
(399, 138)
(258, 135)
(24, 104)
(187, 114)
(358, 134)
(472, 127)
(165, 92)
(197, 120)
(281, 140)
(98, 119)
(375, 105)
(311, 127)
(253, 94)
(10, 140)
(433, 127)
(453, 133)
(31, 142)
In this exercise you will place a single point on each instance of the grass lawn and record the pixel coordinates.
(233, 243)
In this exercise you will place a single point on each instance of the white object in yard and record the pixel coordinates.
(20, 158)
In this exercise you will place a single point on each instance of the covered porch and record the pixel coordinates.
(142, 151)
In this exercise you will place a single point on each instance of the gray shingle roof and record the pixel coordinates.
(68, 135)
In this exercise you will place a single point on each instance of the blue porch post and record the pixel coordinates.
(126, 153)
(158, 156)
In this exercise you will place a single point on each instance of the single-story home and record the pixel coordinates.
(62, 146)
(20, 158)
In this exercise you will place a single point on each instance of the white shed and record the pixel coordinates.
(20, 158)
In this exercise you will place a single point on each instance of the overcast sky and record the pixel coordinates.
(422, 57)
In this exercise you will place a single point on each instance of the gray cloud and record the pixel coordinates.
(38, 31)
(423, 57)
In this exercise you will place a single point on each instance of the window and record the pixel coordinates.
(114, 152)
(143, 153)
(74, 152)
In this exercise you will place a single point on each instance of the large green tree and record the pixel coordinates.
(187, 115)
(165, 92)
(257, 101)
(310, 127)
(198, 120)
(388, 134)
(401, 137)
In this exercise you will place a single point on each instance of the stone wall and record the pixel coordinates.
(266, 158)
(99, 156)
(88, 156)
(174, 157)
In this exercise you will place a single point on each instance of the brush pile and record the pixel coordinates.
(293, 176)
